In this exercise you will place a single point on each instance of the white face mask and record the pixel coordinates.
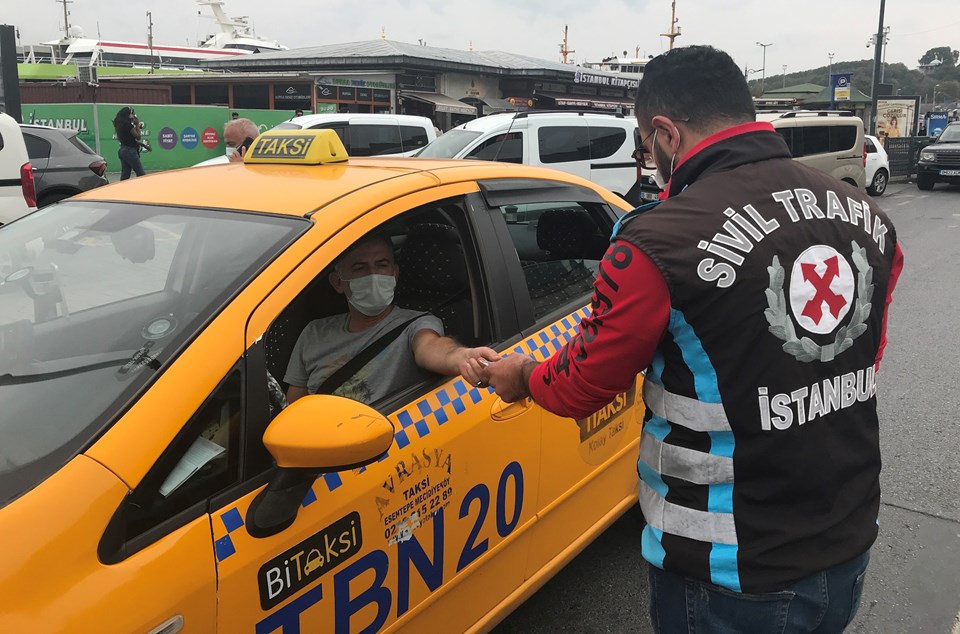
(371, 294)
(230, 151)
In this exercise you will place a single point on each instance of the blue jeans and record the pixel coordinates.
(823, 603)
(129, 160)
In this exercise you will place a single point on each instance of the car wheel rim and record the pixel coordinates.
(879, 182)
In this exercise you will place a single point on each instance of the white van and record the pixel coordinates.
(371, 134)
(594, 145)
(18, 194)
(831, 141)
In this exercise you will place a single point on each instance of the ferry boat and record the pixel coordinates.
(235, 38)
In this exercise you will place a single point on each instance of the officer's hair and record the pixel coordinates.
(367, 239)
(699, 83)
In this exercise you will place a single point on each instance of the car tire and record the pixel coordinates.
(879, 183)
(925, 182)
(49, 199)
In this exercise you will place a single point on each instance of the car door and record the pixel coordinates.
(553, 239)
(563, 145)
(432, 536)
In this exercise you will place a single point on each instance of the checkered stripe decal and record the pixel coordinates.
(429, 413)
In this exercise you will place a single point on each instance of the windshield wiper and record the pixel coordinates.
(130, 361)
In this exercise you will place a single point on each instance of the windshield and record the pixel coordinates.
(95, 300)
(950, 135)
(448, 145)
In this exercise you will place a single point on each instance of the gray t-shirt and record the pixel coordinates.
(326, 345)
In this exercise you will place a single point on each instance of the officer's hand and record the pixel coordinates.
(472, 363)
(507, 377)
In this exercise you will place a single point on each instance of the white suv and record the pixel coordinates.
(18, 194)
(594, 145)
(371, 134)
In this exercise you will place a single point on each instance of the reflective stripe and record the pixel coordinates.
(717, 528)
(682, 410)
(687, 464)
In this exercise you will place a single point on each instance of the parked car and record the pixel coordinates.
(593, 145)
(940, 161)
(828, 140)
(151, 479)
(18, 194)
(878, 166)
(63, 165)
(370, 134)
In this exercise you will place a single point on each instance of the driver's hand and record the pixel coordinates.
(474, 361)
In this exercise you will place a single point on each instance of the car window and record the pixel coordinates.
(37, 148)
(78, 143)
(506, 148)
(413, 137)
(563, 144)
(950, 135)
(449, 145)
(605, 141)
(871, 148)
(559, 246)
(791, 137)
(843, 138)
(813, 140)
(340, 128)
(96, 300)
(437, 288)
(375, 140)
(202, 461)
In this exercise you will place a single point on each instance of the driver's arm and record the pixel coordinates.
(294, 392)
(444, 356)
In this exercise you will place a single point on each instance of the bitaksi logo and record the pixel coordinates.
(821, 296)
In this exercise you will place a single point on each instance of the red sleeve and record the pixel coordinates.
(895, 270)
(630, 312)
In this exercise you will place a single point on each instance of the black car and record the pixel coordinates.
(63, 165)
(940, 161)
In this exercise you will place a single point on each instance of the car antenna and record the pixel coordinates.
(504, 139)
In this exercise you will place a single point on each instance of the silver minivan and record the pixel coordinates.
(831, 141)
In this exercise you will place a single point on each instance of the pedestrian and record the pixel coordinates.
(235, 115)
(755, 296)
(128, 130)
(298, 113)
(238, 136)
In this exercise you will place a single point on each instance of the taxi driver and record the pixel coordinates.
(367, 275)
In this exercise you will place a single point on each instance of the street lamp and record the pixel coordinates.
(935, 95)
(784, 75)
(763, 70)
(830, 69)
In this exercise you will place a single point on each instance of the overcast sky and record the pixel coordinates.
(801, 33)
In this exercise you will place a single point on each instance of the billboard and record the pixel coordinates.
(71, 116)
(936, 122)
(180, 136)
(897, 117)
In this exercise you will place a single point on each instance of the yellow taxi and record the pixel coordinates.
(150, 479)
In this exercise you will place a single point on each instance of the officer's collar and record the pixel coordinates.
(725, 150)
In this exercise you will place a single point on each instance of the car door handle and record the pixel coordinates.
(171, 626)
(502, 411)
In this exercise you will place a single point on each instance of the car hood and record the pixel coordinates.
(953, 145)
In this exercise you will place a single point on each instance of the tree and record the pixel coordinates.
(945, 54)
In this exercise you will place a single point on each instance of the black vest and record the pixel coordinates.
(760, 457)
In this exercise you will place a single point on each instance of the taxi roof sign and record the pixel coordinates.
(300, 147)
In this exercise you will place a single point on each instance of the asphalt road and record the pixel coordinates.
(913, 584)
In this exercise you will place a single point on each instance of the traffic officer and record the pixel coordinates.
(755, 296)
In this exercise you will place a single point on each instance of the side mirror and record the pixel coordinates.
(314, 434)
